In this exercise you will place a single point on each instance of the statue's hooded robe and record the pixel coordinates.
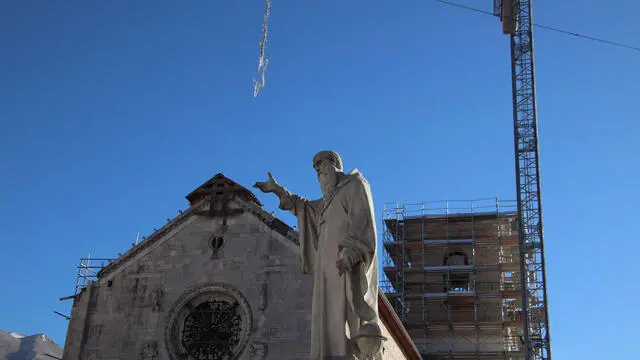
(344, 219)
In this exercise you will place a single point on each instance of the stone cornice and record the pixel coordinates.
(396, 329)
(153, 238)
(272, 222)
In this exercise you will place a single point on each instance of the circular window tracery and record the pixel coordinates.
(209, 323)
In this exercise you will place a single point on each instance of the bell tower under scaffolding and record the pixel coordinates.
(453, 276)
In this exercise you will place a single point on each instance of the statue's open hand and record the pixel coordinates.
(347, 258)
(267, 186)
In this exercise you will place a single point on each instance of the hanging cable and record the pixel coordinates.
(636, 48)
(588, 37)
(258, 79)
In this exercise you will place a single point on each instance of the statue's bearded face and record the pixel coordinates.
(327, 175)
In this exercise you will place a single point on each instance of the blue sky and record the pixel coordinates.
(112, 111)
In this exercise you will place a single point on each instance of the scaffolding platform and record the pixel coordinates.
(88, 270)
(453, 276)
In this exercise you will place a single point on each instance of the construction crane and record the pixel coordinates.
(515, 16)
(516, 22)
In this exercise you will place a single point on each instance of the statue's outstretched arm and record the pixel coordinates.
(287, 200)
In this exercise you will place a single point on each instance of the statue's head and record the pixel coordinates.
(328, 158)
(328, 165)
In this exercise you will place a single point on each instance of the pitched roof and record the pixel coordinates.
(197, 200)
(219, 183)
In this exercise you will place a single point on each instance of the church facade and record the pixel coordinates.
(220, 281)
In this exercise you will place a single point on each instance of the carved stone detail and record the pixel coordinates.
(322, 223)
(156, 298)
(216, 242)
(223, 296)
(220, 197)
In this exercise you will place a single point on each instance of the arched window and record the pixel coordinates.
(456, 281)
(456, 257)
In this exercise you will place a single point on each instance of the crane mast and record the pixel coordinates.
(516, 21)
(516, 18)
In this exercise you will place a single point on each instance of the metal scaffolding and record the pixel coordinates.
(88, 269)
(453, 276)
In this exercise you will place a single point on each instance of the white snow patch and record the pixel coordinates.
(17, 335)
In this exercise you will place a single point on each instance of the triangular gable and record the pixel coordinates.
(199, 200)
(220, 183)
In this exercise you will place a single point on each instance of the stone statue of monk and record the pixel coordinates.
(338, 247)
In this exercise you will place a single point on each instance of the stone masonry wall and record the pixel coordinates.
(124, 314)
(390, 348)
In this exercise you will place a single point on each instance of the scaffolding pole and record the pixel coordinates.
(448, 276)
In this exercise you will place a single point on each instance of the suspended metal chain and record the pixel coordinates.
(258, 79)
(536, 339)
